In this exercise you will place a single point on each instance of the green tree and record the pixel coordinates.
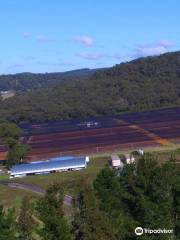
(142, 194)
(115, 202)
(7, 225)
(55, 226)
(25, 220)
(10, 134)
(10, 130)
(16, 154)
(89, 222)
(154, 193)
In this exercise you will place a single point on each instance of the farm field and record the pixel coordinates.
(102, 134)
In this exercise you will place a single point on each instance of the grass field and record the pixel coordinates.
(12, 197)
(72, 181)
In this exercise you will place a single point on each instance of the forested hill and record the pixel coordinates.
(143, 84)
(29, 81)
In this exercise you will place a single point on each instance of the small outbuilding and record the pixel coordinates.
(116, 162)
(129, 158)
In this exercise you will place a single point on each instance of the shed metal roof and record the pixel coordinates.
(56, 159)
(75, 162)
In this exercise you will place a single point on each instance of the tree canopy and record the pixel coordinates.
(10, 135)
(143, 195)
(55, 226)
(143, 84)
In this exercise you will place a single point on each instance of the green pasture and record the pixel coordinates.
(72, 181)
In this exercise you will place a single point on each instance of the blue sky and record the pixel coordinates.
(60, 35)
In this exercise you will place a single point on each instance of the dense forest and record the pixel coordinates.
(30, 81)
(142, 84)
(144, 194)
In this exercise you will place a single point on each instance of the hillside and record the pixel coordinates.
(142, 84)
(29, 81)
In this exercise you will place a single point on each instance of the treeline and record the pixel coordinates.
(143, 84)
(144, 194)
(30, 81)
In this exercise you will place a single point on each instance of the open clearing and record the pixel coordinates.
(158, 128)
(96, 135)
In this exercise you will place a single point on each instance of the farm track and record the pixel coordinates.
(136, 130)
(68, 200)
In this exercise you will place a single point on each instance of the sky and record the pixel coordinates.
(61, 35)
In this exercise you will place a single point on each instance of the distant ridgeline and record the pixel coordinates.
(142, 84)
(29, 81)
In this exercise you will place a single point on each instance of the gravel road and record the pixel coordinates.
(68, 200)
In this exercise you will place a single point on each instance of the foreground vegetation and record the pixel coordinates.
(10, 136)
(109, 207)
(143, 84)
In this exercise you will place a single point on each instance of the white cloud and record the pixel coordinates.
(152, 49)
(43, 39)
(42, 63)
(116, 56)
(58, 63)
(16, 66)
(63, 63)
(29, 58)
(166, 43)
(85, 40)
(26, 34)
(98, 56)
(92, 56)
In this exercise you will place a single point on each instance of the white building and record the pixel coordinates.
(129, 158)
(53, 165)
(116, 162)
